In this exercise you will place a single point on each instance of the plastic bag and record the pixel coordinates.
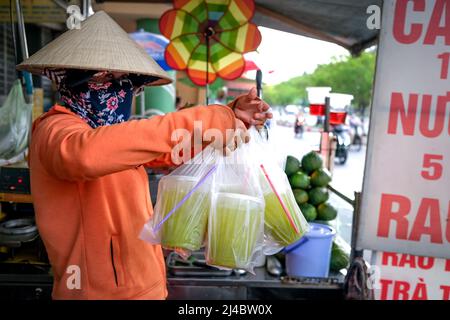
(239, 207)
(15, 123)
(180, 217)
(236, 218)
(284, 222)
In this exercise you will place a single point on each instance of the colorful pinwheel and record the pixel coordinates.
(208, 37)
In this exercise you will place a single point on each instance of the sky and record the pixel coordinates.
(289, 55)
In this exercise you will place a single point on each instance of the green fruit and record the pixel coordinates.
(309, 212)
(317, 196)
(292, 165)
(301, 196)
(320, 178)
(311, 161)
(326, 212)
(339, 259)
(299, 180)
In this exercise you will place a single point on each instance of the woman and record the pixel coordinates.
(89, 185)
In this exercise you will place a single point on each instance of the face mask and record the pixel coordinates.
(99, 104)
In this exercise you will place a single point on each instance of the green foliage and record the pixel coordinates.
(352, 75)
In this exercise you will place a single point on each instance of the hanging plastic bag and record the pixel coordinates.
(284, 222)
(236, 219)
(180, 217)
(15, 123)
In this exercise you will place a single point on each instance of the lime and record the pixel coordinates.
(317, 196)
(301, 196)
(320, 178)
(339, 259)
(311, 161)
(326, 212)
(299, 180)
(309, 212)
(292, 165)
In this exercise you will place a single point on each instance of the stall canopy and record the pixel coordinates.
(339, 21)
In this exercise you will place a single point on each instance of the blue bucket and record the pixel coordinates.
(310, 256)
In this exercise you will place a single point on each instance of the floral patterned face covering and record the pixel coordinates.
(98, 103)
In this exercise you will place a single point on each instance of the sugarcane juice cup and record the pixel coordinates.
(235, 227)
(276, 222)
(186, 227)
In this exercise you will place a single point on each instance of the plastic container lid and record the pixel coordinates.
(318, 230)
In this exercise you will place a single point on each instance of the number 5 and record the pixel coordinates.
(431, 162)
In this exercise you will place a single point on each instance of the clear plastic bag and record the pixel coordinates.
(236, 219)
(284, 222)
(180, 217)
(15, 123)
(239, 207)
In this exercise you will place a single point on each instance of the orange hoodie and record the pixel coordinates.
(91, 199)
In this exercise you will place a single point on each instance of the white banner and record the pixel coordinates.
(406, 191)
(408, 277)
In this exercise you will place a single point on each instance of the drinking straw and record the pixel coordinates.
(286, 211)
(179, 204)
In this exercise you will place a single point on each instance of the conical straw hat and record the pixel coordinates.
(100, 44)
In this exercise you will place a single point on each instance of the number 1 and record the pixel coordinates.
(445, 57)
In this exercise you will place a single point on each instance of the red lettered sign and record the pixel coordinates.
(406, 192)
(407, 277)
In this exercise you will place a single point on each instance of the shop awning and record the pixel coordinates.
(339, 21)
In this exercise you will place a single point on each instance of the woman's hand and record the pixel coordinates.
(233, 139)
(251, 109)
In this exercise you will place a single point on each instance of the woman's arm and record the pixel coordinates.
(71, 150)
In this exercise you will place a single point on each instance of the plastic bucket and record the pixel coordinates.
(186, 227)
(310, 256)
(235, 227)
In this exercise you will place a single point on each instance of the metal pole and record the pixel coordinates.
(86, 7)
(142, 103)
(326, 126)
(22, 35)
(355, 221)
(259, 83)
(25, 55)
(342, 196)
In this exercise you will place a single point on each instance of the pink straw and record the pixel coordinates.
(286, 211)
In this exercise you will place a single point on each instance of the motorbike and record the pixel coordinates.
(357, 133)
(299, 127)
(344, 142)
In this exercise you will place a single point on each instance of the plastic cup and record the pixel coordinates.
(317, 95)
(317, 109)
(339, 101)
(235, 225)
(186, 227)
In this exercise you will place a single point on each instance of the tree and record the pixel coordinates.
(352, 75)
